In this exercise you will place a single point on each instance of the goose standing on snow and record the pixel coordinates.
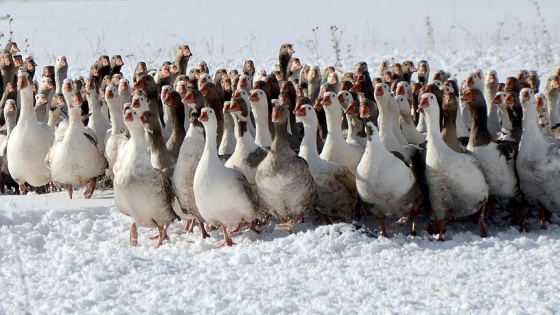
(284, 182)
(10, 114)
(223, 195)
(538, 162)
(187, 161)
(385, 183)
(456, 183)
(141, 191)
(336, 186)
(29, 142)
(74, 159)
(497, 160)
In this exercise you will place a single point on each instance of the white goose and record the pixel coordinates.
(385, 183)
(336, 149)
(117, 137)
(260, 112)
(187, 161)
(97, 122)
(10, 114)
(497, 159)
(141, 191)
(223, 196)
(74, 159)
(336, 186)
(538, 162)
(456, 183)
(29, 142)
(247, 154)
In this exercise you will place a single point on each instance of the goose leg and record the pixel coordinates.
(441, 225)
(189, 226)
(481, 224)
(203, 229)
(90, 188)
(22, 189)
(161, 235)
(383, 229)
(227, 240)
(542, 217)
(523, 223)
(70, 191)
(326, 220)
(133, 235)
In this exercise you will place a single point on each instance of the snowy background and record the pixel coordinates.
(72, 256)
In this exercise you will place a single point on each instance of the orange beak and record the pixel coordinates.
(364, 111)
(327, 100)
(276, 115)
(254, 97)
(203, 117)
(234, 107)
(378, 90)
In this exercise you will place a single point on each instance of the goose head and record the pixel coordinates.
(165, 91)
(372, 133)
(61, 62)
(239, 108)
(181, 87)
(306, 113)
(140, 101)
(23, 83)
(124, 85)
(403, 88)
(41, 99)
(527, 98)
(491, 78)
(280, 114)
(208, 119)
(133, 120)
(147, 84)
(345, 97)
(540, 100)
(429, 106)
(110, 92)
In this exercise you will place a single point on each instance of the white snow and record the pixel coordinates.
(60, 256)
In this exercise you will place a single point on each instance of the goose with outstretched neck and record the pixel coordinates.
(336, 186)
(456, 183)
(29, 142)
(223, 195)
(187, 161)
(284, 182)
(538, 162)
(141, 191)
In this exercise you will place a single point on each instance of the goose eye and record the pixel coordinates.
(431, 97)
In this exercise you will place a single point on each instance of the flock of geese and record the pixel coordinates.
(245, 148)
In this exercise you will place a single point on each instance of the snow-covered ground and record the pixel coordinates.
(62, 256)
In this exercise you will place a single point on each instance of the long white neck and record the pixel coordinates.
(532, 136)
(435, 141)
(262, 135)
(553, 111)
(308, 147)
(26, 96)
(94, 108)
(117, 120)
(210, 152)
(334, 120)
